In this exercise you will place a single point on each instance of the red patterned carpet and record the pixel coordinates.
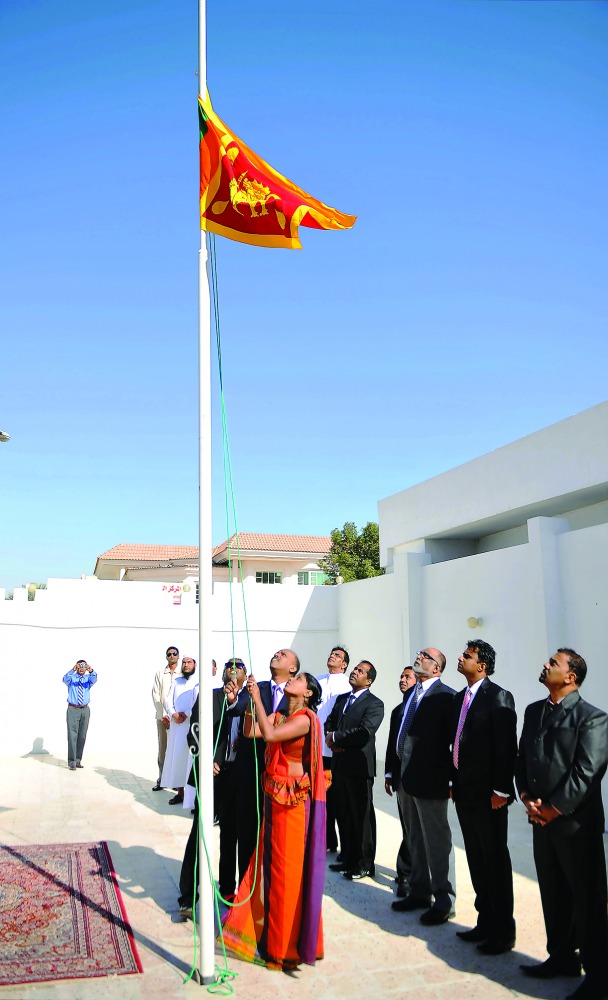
(62, 915)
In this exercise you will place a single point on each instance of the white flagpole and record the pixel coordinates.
(205, 774)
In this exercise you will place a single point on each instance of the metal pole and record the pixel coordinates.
(205, 774)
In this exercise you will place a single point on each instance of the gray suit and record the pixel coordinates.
(562, 758)
(424, 794)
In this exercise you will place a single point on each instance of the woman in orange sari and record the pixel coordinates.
(276, 917)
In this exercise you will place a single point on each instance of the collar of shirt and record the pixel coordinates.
(474, 688)
(426, 684)
(357, 694)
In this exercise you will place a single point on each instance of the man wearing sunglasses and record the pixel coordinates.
(423, 748)
(163, 680)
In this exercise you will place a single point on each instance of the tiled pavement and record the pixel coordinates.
(370, 950)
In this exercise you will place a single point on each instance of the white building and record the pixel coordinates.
(511, 547)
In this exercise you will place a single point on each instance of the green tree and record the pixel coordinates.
(354, 554)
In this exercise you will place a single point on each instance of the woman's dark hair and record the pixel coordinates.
(315, 689)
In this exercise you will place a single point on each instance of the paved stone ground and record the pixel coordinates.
(370, 950)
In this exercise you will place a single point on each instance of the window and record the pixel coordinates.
(263, 577)
(315, 579)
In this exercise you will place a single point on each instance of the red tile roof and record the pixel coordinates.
(297, 544)
(128, 553)
(247, 542)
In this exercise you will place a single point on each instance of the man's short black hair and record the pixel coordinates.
(485, 653)
(341, 650)
(372, 673)
(577, 665)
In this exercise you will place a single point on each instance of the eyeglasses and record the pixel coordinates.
(234, 663)
(173, 652)
(426, 656)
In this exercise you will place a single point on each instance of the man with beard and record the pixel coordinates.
(423, 745)
(163, 679)
(562, 758)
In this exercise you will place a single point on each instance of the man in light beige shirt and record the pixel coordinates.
(163, 679)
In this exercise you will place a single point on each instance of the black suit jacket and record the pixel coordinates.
(488, 744)
(221, 730)
(563, 760)
(392, 764)
(355, 734)
(426, 759)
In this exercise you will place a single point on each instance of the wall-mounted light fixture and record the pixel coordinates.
(474, 622)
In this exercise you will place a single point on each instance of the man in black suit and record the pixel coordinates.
(250, 752)
(392, 779)
(562, 758)
(350, 733)
(226, 786)
(423, 744)
(188, 891)
(484, 747)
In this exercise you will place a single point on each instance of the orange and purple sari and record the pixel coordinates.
(281, 926)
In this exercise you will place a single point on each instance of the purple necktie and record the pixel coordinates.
(463, 715)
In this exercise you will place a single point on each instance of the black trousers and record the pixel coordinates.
(226, 806)
(330, 812)
(485, 833)
(571, 869)
(249, 793)
(356, 820)
(186, 877)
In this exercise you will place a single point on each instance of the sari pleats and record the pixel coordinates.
(281, 924)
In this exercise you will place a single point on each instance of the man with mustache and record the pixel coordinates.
(562, 758)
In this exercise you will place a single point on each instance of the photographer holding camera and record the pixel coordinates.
(79, 680)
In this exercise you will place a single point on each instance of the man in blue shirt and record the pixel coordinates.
(79, 681)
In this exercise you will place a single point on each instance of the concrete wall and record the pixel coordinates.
(123, 630)
(531, 599)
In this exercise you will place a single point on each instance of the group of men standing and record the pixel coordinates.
(463, 746)
(446, 745)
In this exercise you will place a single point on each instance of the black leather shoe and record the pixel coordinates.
(337, 866)
(176, 800)
(589, 991)
(554, 966)
(409, 903)
(496, 947)
(475, 935)
(433, 917)
(157, 787)
(359, 873)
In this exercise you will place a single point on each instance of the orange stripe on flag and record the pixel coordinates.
(245, 199)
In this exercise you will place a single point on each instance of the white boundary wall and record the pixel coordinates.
(123, 630)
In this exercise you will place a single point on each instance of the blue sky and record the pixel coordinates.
(465, 309)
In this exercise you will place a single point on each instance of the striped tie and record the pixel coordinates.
(409, 716)
(80, 693)
(349, 702)
(460, 727)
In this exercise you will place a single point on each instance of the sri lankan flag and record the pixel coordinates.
(243, 198)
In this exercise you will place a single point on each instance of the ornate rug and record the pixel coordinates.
(62, 915)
